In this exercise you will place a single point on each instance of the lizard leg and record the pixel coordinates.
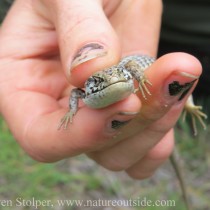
(196, 114)
(137, 72)
(75, 95)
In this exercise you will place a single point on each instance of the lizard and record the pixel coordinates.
(115, 83)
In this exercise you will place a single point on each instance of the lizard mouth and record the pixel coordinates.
(110, 94)
(102, 87)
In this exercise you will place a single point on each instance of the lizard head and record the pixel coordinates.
(106, 78)
(108, 86)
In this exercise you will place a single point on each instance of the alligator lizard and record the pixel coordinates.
(113, 84)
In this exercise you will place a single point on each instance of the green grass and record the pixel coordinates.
(80, 178)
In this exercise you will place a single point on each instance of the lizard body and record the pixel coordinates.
(115, 83)
(110, 85)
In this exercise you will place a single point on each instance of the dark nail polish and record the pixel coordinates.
(175, 88)
(116, 124)
(88, 52)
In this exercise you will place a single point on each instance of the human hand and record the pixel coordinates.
(40, 41)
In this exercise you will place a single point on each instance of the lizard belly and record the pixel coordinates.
(109, 95)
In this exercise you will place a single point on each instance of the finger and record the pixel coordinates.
(84, 34)
(158, 114)
(139, 29)
(147, 166)
(91, 130)
(26, 34)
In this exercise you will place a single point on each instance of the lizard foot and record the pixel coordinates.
(143, 87)
(196, 114)
(65, 120)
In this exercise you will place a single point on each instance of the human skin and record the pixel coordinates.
(38, 41)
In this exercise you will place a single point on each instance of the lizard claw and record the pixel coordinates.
(137, 68)
(196, 114)
(66, 119)
(143, 87)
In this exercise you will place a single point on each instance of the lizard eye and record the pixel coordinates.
(94, 81)
(93, 84)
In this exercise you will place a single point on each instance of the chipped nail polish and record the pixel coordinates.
(88, 52)
(116, 124)
(175, 88)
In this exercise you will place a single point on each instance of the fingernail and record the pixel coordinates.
(120, 120)
(180, 84)
(88, 52)
(128, 113)
(175, 88)
(116, 124)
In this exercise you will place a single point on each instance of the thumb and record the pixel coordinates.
(84, 33)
